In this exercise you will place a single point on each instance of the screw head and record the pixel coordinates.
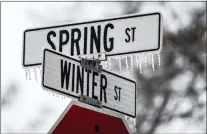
(97, 128)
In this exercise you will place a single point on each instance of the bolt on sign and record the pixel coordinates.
(114, 36)
(65, 75)
(80, 118)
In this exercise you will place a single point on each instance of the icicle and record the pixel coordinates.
(112, 61)
(29, 74)
(158, 55)
(26, 74)
(131, 62)
(126, 62)
(140, 63)
(119, 63)
(136, 58)
(106, 64)
(118, 58)
(145, 60)
(152, 59)
(134, 121)
(35, 74)
(149, 58)
(109, 64)
(127, 65)
(40, 71)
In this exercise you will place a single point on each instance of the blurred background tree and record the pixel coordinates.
(183, 55)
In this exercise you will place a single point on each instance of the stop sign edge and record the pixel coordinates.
(99, 110)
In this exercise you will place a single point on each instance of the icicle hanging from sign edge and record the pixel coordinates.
(146, 59)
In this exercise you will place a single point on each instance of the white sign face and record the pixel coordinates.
(65, 75)
(115, 36)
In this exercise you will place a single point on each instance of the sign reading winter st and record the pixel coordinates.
(115, 36)
(65, 75)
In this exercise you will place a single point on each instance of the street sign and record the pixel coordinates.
(114, 36)
(79, 118)
(65, 75)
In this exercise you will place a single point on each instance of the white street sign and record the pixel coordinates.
(65, 75)
(114, 36)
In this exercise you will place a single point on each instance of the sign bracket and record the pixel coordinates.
(90, 101)
(96, 56)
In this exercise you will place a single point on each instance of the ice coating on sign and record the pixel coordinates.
(126, 62)
(26, 74)
(158, 55)
(131, 62)
(35, 73)
(138, 61)
(109, 64)
(119, 58)
(153, 66)
(40, 70)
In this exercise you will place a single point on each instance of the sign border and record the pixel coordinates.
(77, 97)
(95, 21)
(83, 105)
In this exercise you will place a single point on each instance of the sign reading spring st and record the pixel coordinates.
(65, 75)
(115, 36)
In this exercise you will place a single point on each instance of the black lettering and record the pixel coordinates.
(88, 74)
(73, 77)
(95, 38)
(80, 80)
(65, 73)
(85, 40)
(61, 41)
(103, 87)
(75, 41)
(127, 40)
(94, 84)
(119, 93)
(51, 33)
(115, 97)
(133, 32)
(111, 40)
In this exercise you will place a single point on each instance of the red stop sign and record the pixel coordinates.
(80, 118)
